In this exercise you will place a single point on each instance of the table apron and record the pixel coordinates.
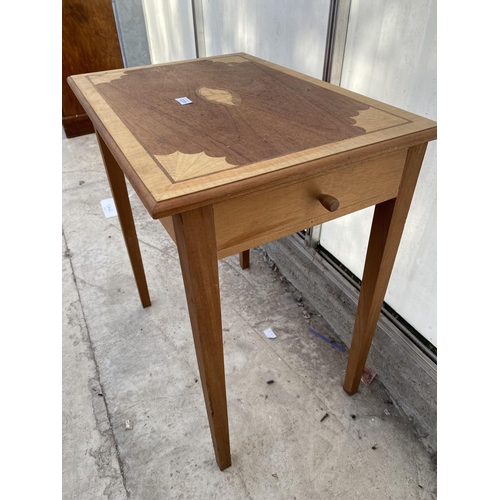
(259, 217)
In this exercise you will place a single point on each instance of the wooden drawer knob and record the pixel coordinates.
(329, 202)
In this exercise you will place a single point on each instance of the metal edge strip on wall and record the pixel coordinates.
(198, 28)
(336, 35)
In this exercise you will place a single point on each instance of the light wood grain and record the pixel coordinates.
(234, 59)
(195, 234)
(106, 76)
(182, 166)
(168, 224)
(257, 218)
(262, 216)
(373, 119)
(219, 96)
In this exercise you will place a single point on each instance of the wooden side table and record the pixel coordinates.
(231, 152)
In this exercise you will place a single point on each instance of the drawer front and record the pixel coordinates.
(257, 218)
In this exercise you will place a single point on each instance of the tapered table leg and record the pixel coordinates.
(245, 259)
(387, 228)
(120, 196)
(195, 235)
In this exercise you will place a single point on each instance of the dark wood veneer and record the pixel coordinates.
(89, 43)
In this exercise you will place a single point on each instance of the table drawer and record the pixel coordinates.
(262, 216)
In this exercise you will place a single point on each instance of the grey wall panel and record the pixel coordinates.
(132, 32)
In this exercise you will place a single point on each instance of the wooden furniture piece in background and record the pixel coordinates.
(260, 152)
(89, 43)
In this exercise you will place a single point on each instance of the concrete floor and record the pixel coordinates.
(125, 363)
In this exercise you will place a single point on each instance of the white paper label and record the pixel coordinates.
(108, 207)
(183, 100)
(269, 333)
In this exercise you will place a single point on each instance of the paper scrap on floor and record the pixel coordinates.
(269, 333)
(109, 208)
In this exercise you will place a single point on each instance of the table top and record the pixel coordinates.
(249, 124)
